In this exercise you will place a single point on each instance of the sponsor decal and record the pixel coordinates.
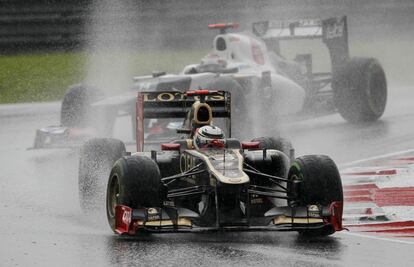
(256, 201)
(169, 203)
(309, 22)
(260, 28)
(257, 52)
(186, 162)
(335, 30)
(177, 96)
(126, 217)
(153, 214)
(313, 211)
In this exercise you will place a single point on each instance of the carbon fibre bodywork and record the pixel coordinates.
(228, 190)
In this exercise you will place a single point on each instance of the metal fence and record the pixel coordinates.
(36, 25)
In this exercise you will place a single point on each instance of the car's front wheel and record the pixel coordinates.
(320, 184)
(135, 181)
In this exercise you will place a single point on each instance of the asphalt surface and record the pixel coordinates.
(42, 224)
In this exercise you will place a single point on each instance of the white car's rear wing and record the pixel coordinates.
(333, 32)
(288, 30)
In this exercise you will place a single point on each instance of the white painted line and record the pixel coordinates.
(376, 157)
(379, 238)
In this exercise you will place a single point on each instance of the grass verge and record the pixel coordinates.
(45, 77)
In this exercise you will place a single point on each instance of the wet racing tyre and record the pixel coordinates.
(76, 105)
(135, 181)
(320, 185)
(360, 90)
(96, 159)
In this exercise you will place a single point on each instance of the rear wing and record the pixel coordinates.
(176, 104)
(332, 31)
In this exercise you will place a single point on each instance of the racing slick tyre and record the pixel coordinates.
(96, 159)
(360, 90)
(135, 181)
(76, 105)
(320, 185)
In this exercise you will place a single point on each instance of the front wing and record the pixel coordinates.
(130, 221)
(61, 137)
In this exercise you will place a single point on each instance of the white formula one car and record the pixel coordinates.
(262, 82)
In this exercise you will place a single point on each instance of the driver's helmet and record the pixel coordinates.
(209, 137)
(212, 63)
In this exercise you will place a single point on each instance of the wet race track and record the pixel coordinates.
(42, 224)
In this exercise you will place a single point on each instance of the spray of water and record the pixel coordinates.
(110, 31)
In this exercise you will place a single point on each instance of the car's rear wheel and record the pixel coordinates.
(96, 159)
(320, 184)
(135, 181)
(360, 90)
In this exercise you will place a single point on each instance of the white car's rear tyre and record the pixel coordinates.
(360, 90)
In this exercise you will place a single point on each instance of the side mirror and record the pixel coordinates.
(170, 147)
(250, 145)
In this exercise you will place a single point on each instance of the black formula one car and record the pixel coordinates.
(204, 181)
(259, 71)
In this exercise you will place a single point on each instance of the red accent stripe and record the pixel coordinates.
(358, 199)
(353, 193)
(250, 145)
(381, 172)
(386, 224)
(170, 146)
(359, 193)
(360, 186)
(394, 197)
(407, 158)
(200, 92)
(393, 231)
(223, 25)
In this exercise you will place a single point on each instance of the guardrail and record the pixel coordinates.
(37, 25)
